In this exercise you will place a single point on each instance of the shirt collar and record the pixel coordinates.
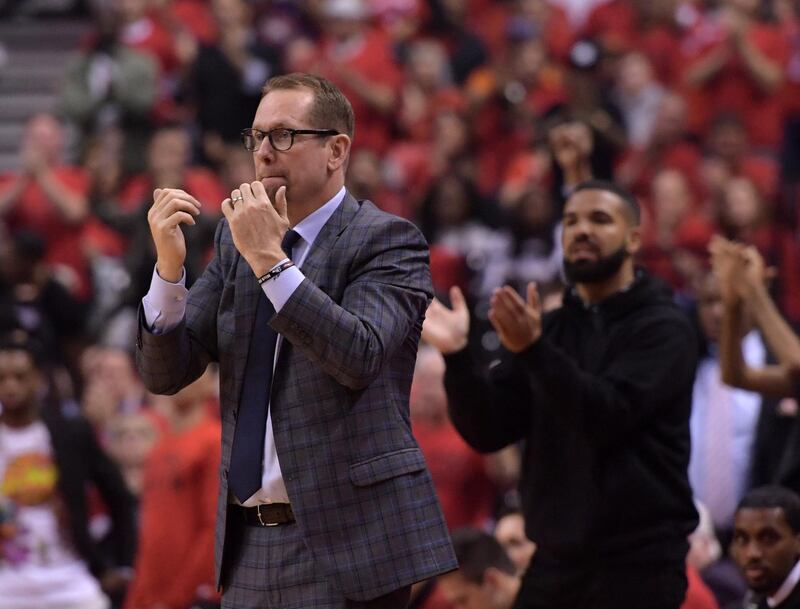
(310, 226)
(786, 587)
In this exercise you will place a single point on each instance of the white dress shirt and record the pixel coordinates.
(165, 305)
(786, 587)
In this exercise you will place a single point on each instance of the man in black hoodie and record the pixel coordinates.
(600, 392)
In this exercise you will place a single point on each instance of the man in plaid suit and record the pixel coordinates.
(325, 498)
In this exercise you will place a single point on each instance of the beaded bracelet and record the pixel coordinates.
(275, 271)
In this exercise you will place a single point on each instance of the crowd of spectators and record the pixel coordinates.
(475, 119)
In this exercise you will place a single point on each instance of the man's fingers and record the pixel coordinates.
(457, 299)
(247, 192)
(179, 217)
(259, 192)
(281, 205)
(227, 208)
(162, 195)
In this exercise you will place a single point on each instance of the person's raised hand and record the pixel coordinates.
(171, 208)
(444, 328)
(257, 226)
(518, 322)
(727, 266)
(755, 272)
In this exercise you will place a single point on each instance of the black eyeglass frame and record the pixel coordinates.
(250, 133)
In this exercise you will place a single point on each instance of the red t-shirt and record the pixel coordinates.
(177, 521)
(459, 476)
(373, 62)
(35, 212)
(733, 89)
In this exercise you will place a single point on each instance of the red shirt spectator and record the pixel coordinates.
(736, 65)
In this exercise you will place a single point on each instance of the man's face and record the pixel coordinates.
(464, 594)
(19, 380)
(764, 547)
(303, 169)
(598, 236)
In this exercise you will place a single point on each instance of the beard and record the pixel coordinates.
(600, 270)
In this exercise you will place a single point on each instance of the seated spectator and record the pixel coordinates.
(111, 385)
(638, 95)
(48, 557)
(109, 84)
(509, 100)
(175, 562)
(48, 197)
(357, 56)
(622, 26)
(37, 301)
(466, 493)
(718, 572)
(130, 437)
(536, 247)
(427, 90)
(742, 216)
(365, 180)
(736, 63)
(766, 546)
(729, 155)
(723, 421)
(454, 216)
(486, 578)
(668, 147)
(225, 79)
(675, 235)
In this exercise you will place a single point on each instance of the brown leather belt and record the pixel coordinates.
(264, 514)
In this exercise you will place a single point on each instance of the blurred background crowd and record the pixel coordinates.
(474, 120)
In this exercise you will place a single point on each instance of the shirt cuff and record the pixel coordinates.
(281, 288)
(164, 304)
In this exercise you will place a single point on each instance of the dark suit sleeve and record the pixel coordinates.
(655, 368)
(388, 291)
(169, 362)
(489, 412)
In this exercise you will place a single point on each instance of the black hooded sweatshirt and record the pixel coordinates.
(601, 402)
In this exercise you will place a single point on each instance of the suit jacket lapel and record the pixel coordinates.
(315, 266)
(319, 257)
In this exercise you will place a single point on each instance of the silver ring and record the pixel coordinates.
(234, 199)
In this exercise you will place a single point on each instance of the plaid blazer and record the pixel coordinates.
(356, 479)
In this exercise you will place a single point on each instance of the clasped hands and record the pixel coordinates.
(257, 226)
(518, 322)
(739, 269)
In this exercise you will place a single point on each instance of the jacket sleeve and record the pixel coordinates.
(389, 289)
(489, 412)
(654, 368)
(169, 362)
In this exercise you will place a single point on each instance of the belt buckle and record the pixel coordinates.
(264, 524)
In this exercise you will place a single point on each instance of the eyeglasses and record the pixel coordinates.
(280, 139)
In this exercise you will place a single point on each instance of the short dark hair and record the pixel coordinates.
(623, 193)
(20, 340)
(477, 551)
(330, 110)
(774, 496)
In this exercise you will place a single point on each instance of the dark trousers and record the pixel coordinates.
(271, 568)
(553, 585)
